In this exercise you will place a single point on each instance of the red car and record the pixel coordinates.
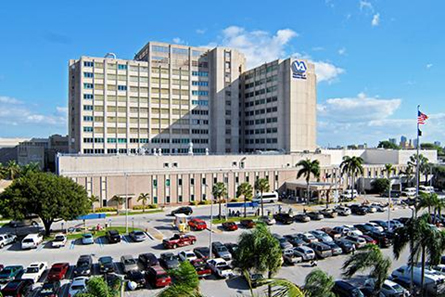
(179, 240)
(201, 267)
(248, 224)
(369, 239)
(230, 226)
(197, 224)
(157, 277)
(58, 271)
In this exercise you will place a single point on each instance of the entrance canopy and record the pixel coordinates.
(313, 186)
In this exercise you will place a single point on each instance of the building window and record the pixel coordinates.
(192, 197)
(204, 197)
(88, 96)
(87, 129)
(236, 179)
(200, 83)
(155, 183)
(167, 199)
(192, 181)
(88, 86)
(88, 64)
(122, 67)
(200, 102)
(167, 182)
(88, 74)
(215, 180)
(88, 107)
(204, 181)
(180, 51)
(158, 48)
(122, 88)
(166, 165)
(200, 93)
(88, 118)
(180, 198)
(200, 73)
(155, 200)
(179, 181)
(122, 140)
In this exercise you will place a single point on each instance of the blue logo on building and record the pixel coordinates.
(299, 69)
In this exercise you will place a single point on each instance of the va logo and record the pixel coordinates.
(299, 69)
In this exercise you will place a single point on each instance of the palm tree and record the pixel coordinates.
(423, 167)
(371, 258)
(318, 283)
(281, 287)
(389, 168)
(258, 251)
(262, 185)
(352, 166)
(245, 189)
(143, 197)
(219, 191)
(424, 239)
(408, 173)
(93, 199)
(119, 200)
(308, 167)
(2, 173)
(186, 282)
(12, 169)
(98, 287)
(30, 168)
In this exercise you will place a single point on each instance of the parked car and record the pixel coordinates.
(394, 194)
(187, 256)
(383, 238)
(345, 289)
(256, 279)
(137, 277)
(6, 239)
(389, 289)
(138, 236)
(294, 239)
(129, 263)
(308, 237)
(321, 250)
(221, 251)
(113, 236)
(343, 211)
(58, 272)
(83, 266)
(369, 239)
(346, 246)
(220, 268)
(169, 261)
(34, 271)
(231, 247)
(179, 240)
(202, 252)
(17, 288)
(374, 227)
(78, 285)
(321, 236)
(229, 226)
(284, 244)
(267, 220)
(369, 208)
(147, 260)
(9, 273)
(283, 218)
(49, 289)
(434, 283)
(157, 277)
(409, 192)
(247, 223)
(184, 209)
(359, 242)
(348, 230)
(358, 210)
(201, 267)
(87, 238)
(197, 224)
(32, 241)
(331, 232)
(315, 216)
(106, 264)
(349, 194)
(336, 250)
(302, 218)
(306, 253)
(289, 257)
(59, 241)
(329, 213)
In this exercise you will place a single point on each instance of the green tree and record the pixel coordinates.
(352, 166)
(380, 185)
(308, 167)
(370, 258)
(423, 238)
(93, 199)
(30, 168)
(97, 287)
(388, 145)
(318, 283)
(186, 282)
(245, 190)
(119, 200)
(262, 185)
(423, 165)
(12, 169)
(408, 173)
(258, 251)
(46, 195)
(219, 191)
(144, 198)
(281, 287)
(2, 171)
(432, 146)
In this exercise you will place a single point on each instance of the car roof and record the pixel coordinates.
(158, 269)
(59, 265)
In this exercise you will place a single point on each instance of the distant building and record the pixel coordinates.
(393, 140)
(8, 149)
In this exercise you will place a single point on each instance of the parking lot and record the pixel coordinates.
(160, 225)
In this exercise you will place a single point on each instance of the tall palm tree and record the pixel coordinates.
(373, 259)
(408, 173)
(30, 168)
(308, 167)
(219, 191)
(245, 189)
(318, 283)
(93, 199)
(352, 166)
(12, 169)
(423, 238)
(119, 200)
(143, 197)
(262, 185)
(423, 167)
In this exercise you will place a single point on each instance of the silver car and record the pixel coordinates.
(306, 253)
(129, 263)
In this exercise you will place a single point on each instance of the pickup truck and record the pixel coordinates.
(178, 240)
(220, 268)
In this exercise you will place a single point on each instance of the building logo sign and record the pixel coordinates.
(299, 69)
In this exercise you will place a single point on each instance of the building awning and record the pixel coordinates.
(241, 204)
(313, 186)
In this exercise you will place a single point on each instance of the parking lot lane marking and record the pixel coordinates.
(40, 247)
(155, 233)
(72, 244)
(149, 235)
(125, 240)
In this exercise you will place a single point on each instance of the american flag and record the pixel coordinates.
(421, 117)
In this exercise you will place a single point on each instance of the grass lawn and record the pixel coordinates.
(234, 219)
(95, 234)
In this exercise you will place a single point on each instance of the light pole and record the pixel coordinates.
(389, 204)
(211, 225)
(126, 202)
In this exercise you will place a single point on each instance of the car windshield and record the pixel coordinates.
(59, 238)
(106, 260)
(47, 288)
(87, 236)
(221, 248)
(138, 233)
(83, 264)
(28, 240)
(77, 287)
(32, 270)
(6, 271)
(129, 261)
(56, 269)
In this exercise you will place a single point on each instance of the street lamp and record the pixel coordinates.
(126, 202)
(391, 182)
(211, 224)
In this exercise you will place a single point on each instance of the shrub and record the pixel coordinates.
(234, 200)
(105, 209)
(152, 206)
(380, 185)
(194, 203)
(204, 202)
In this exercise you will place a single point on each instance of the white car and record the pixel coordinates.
(343, 211)
(78, 285)
(187, 256)
(59, 241)
(34, 271)
(32, 241)
(389, 288)
(353, 231)
(409, 192)
(6, 239)
(220, 267)
(375, 227)
(306, 253)
(348, 193)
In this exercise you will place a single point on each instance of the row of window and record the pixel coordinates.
(91, 64)
(261, 92)
(261, 140)
(200, 93)
(261, 101)
(200, 83)
(200, 102)
(261, 81)
(200, 112)
(262, 70)
(200, 73)
(200, 131)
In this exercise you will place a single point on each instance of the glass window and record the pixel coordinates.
(88, 86)
(122, 67)
(88, 74)
(158, 48)
(88, 118)
(88, 64)
(122, 88)
(87, 129)
(88, 96)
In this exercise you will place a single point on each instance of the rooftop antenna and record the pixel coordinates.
(110, 55)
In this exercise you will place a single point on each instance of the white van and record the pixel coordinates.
(426, 189)
(434, 283)
(32, 241)
(409, 192)
(347, 194)
(267, 197)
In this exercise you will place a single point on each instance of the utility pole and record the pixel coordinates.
(126, 202)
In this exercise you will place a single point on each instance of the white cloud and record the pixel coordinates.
(9, 100)
(178, 40)
(342, 51)
(375, 20)
(365, 5)
(428, 66)
(200, 31)
(258, 46)
(325, 71)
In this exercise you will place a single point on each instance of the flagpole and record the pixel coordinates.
(417, 161)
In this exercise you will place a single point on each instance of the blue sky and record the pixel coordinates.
(375, 60)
